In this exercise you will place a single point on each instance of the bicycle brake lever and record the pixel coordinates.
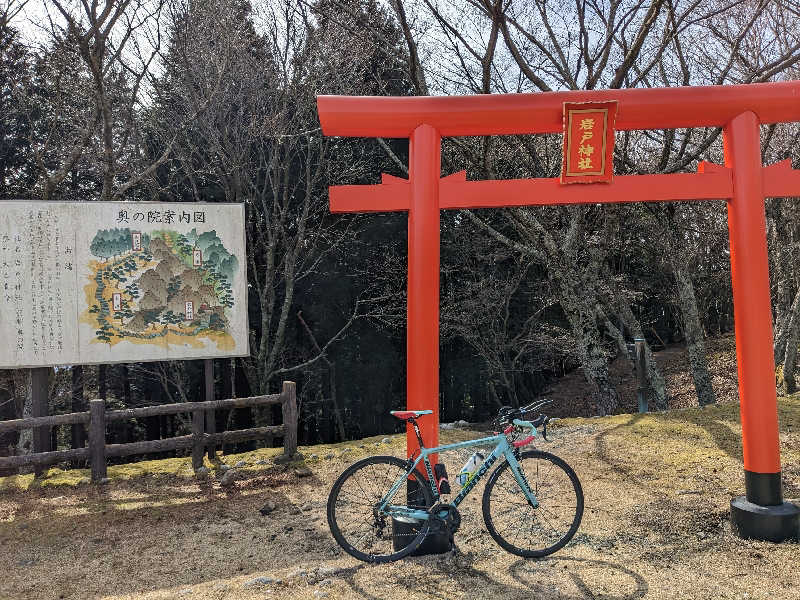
(544, 428)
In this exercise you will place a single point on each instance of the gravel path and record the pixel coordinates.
(656, 526)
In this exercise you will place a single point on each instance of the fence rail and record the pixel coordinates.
(98, 451)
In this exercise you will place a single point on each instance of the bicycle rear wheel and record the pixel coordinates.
(353, 515)
(519, 527)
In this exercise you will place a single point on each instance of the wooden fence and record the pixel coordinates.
(96, 418)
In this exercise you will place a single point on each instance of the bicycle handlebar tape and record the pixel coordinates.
(761, 514)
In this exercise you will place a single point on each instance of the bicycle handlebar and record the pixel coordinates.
(508, 413)
(540, 421)
(514, 416)
(535, 405)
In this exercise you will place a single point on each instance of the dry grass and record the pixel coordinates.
(656, 526)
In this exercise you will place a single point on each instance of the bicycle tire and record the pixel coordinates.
(368, 496)
(545, 514)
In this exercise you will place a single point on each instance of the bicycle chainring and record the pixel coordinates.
(450, 523)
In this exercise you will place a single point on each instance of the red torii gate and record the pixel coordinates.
(743, 182)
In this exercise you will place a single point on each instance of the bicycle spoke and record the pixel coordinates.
(520, 527)
(352, 509)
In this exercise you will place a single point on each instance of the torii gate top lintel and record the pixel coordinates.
(508, 114)
(743, 182)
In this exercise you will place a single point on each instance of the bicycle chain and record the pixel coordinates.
(451, 523)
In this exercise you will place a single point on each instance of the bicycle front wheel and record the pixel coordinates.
(519, 527)
(353, 516)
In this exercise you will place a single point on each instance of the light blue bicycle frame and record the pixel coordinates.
(503, 448)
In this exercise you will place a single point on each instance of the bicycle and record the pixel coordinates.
(532, 484)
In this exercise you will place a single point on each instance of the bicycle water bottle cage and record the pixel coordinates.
(442, 481)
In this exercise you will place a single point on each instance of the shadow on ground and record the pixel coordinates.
(616, 582)
(565, 578)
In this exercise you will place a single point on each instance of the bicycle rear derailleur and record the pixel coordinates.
(444, 517)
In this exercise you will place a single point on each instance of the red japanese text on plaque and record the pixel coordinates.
(588, 142)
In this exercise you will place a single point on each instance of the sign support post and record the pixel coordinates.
(211, 423)
(40, 394)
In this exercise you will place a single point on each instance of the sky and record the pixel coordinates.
(31, 19)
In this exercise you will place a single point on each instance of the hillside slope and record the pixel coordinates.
(657, 492)
(572, 394)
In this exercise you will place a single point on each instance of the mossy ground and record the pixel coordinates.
(657, 490)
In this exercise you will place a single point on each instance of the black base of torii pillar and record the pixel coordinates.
(762, 514)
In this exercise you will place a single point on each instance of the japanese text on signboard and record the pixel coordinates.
(588, 142)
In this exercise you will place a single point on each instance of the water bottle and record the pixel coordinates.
(469, 469)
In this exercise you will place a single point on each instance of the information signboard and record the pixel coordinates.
(91, 282)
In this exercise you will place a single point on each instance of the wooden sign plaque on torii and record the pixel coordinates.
(743, 182)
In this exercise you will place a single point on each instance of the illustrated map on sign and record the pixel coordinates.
(92, 282)
(160, 287)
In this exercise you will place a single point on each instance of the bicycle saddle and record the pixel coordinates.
(405, 415)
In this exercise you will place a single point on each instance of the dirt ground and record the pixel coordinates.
(656, 525)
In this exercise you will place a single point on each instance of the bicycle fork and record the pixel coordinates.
(521, 479)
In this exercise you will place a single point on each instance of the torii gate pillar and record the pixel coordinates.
(762, 513)
(422, 343)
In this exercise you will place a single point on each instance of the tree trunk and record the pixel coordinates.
(783, 330)
(657, 389)
(77, 431)
(233, 378)
(593, 360)
(580, 310)
(782, 272)
(25, 441)
(692, 326)
(595, 368)
(78, 405)
(335, 402)
(7, 439)
(126, 386)
(102, 384)
(337, 413)
(614, 331)
(693, 330)
(790, 354)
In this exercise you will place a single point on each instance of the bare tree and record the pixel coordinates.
(103, 58)
(489, 46)
(256, 140)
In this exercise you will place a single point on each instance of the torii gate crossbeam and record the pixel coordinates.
(743, 183)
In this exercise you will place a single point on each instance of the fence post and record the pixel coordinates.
(97, 439)
(289, 408)
(198, 445)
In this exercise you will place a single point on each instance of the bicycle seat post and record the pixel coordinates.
(413, 422)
